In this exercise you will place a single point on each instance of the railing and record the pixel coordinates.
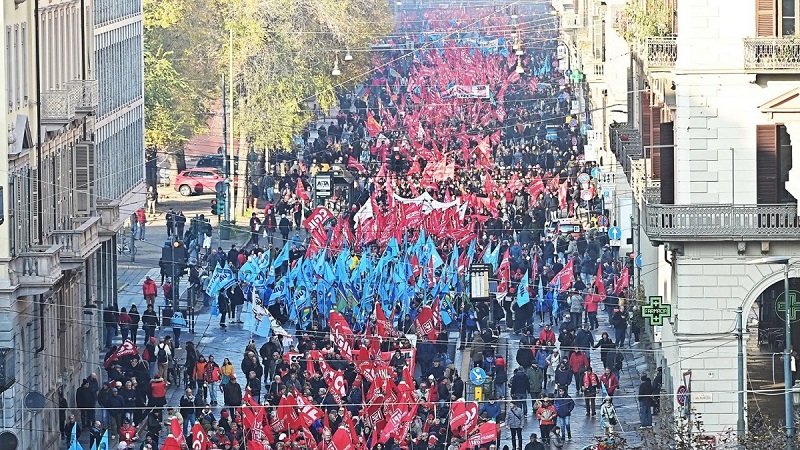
(39, 266)
(626, 143)
(772, 53)
(664, 223)
(79, 242)
(57, 106)
(85, 95)
(661, 52)
(652, 193)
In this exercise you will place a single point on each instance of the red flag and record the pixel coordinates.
(536, 188)
(514, 184)
(301, 191)
(383, 326)
(482, 435)
(352, 162)
(177, 431)
(171, 444)
(425, 323)
(598, 282)
(565, 277)
(255, 445)
(623, 281)
(436, 311)
(199, 438)
(489, 186)
(373, 127)
(341, 334)
(505, 273)
(414, 168)
(307, 412)
(125, 349)
(463, 417)
(341, 440)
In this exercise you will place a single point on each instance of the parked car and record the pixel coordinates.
(197, 181)
(211, 162)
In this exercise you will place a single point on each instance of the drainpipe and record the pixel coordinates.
(40, 348)
(40, 200)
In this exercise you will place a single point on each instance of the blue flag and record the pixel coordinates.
(523, 296)
(282, 257)
(540, 294)
(447, 310)
(73, 439)
(555, 297)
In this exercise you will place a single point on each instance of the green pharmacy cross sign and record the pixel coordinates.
(794, 306)
(656, 311)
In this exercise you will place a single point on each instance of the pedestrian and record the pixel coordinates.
(178, 323)
(284, 227)
(115, 405)
(590, 385)
(519, 390)
(608, 417)
(514, 420)
(578, 364)
(149, 356)
(546, 414)
(163, 355)
(190, 405)
(149, 322)
(534, 443)
(223, 304)
(645, 401)
(133, 313)
(141, 219)
(500, 379)
(180, 225)
(620, 323)
(170, 219)
(656, 388)
(605, 344)
(95, 434)
(85, 400)
(536, 377)
(124, 323)
(110, 321)
(152, 199)
(609, 382)
(564, 405)
(558, 438)
(255, 230)
(212, 377)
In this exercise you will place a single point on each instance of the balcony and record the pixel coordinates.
(685, 223)
(772, 54)
(84, 95)
(38, 268)
(79, 242)
(57, 107)
(660, 53)
(626, 143)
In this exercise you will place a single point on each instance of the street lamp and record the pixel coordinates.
(348, 56)
(787, 367)
(520, 69)
(336, 72)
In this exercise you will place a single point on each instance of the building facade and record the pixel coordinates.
(707, 103)
(60, 216)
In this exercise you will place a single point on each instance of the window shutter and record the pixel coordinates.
(767, 164)
(646, 122)
(655, 138)
(667, 163)
(765, 18)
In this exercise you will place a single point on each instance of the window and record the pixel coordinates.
(24, 63)
(777, 17)
(773, 162)
(9, 77)
(787, 17)
(17, 87)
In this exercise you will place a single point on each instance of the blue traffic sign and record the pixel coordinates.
(606, 194)
(615, 233)
(596, 172)
(639, 261)
(477, 376)
(583, 178)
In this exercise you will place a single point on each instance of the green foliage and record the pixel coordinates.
(646, 18)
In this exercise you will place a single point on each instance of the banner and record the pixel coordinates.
(306, 411)
(426, 323)
(125, 349)
(315, 224)
(177, 431)
(341, 440)
(482, 435)
(463, 417)
(199, 438)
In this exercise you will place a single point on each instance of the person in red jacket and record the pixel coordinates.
(579, 365)
(149, 290)
(591, 303)
(547, 336)
(609, 382)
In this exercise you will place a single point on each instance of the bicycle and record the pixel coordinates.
(125, 246)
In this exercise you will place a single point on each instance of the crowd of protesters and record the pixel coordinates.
(513, 161)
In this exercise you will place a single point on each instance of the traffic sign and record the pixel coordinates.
(583, 178)
(606, 194)
(477, 376)
(615, 242)
(615, 233)
(681, 394)
(596, 172)
(656, 311)
(602, 221)
(639, 261)
(586, 195)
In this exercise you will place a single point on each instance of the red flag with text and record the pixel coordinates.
(315, 224)
(425, 323)
(598, 282)
(623, 282)
(199, 438)
(301, 191)
(125, 349)
(341, 334)
(565, 277)
(482, 435)
(177, 431)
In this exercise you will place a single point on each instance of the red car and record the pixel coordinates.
(198, 181)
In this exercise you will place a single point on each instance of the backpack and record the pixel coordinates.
(146, 354)
(161, 356)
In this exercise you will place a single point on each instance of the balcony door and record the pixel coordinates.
(788, 17)
(777, 17)
(773, 163)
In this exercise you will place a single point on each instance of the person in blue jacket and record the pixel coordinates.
(564, 405)
(491, 408)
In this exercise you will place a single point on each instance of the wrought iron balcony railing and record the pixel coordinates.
(661, 52)
(84, 95)
(58, 106)
(706, 222)
(772, 54)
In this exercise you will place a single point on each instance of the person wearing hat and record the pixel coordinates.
(115, 405)
(127, 432)
(534, 443)
(608, 416)
(547, 336)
